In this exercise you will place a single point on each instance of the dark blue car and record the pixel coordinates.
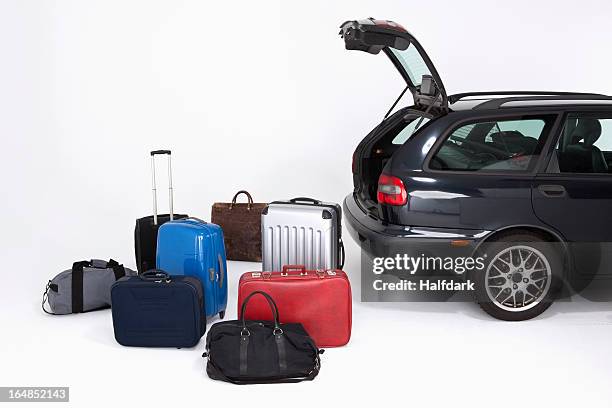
(525, 177)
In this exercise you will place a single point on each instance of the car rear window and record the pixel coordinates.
(413, 63)
(504, 145)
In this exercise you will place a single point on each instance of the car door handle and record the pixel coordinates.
(552, 190)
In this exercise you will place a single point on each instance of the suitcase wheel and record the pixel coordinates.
(222, 314)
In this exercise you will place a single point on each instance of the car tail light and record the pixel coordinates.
(391, 190)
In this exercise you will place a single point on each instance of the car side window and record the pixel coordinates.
(493, 146)
(585, 145)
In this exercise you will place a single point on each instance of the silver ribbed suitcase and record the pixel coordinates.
(302, 231)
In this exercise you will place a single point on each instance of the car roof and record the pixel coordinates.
(526, 99)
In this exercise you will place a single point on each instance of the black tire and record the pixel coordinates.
(542, 284)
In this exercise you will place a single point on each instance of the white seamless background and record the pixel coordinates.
(261, 95)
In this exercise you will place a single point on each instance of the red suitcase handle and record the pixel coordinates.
(294, 268)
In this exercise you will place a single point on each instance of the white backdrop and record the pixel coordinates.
(261, 96)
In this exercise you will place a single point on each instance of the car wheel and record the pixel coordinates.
(521, 274)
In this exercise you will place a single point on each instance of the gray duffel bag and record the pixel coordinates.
(83, 288)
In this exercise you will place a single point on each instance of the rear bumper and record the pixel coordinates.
(377, 239)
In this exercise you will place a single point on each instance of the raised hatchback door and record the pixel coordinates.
(404, 51)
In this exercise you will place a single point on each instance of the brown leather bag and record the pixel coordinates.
(241, 223)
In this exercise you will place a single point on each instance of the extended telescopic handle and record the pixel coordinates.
(154, 186)
(156, 152)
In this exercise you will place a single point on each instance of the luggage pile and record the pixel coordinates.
(299, 302)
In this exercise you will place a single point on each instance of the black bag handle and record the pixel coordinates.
(154, 275)
(270, 302)
(249, 198)
(118, 269)
(305, 199)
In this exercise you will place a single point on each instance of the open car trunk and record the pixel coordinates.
(422, 79)
(376, 150)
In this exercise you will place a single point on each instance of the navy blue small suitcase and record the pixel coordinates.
(155, 309)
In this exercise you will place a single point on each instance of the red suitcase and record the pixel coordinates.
(320, 300)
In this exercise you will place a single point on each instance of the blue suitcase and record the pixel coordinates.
(193, 247)
(155, 309)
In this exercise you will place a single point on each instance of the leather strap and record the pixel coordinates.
(77, 285)
(217, 372)
(280, 346)
(270, 302)
(249, 198)
(244, 349)
(77, 279)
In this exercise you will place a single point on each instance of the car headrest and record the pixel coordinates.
(588, 130)
(507, 136)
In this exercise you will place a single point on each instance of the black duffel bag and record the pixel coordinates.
(260, 352)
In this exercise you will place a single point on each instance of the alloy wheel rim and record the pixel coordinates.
(518, 278)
